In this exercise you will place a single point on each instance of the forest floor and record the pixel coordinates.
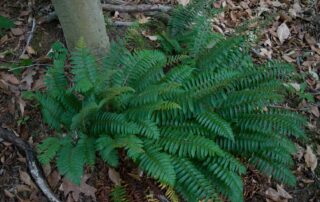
(293, 35)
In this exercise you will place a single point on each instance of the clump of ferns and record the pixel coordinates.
(187, 126)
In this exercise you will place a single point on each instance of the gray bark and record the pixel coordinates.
(83, 18)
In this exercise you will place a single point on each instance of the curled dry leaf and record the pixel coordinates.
(279, 195)
(315, 111)
(114, 176)
(283, 193)
(310, 159)
(283, 32)
(300, 151)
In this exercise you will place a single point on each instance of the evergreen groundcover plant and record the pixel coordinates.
(191, 114)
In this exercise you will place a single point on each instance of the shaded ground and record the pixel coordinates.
(301, 48)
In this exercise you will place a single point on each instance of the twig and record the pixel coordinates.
(29, 37)
(136, 8)
(121, 24)
(33, 165)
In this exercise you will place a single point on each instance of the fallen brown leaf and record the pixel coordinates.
(17, 31)
(310, 158)
(315, 111)
(68, 187)
(283, 32)
(114, 176)
(10, 78)
(25, 178)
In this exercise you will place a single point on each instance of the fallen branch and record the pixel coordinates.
(33, 165)
(29, 37)
(136, 8)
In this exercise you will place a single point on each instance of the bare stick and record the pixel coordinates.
(29, 37)
(136, 8)
(33, 165)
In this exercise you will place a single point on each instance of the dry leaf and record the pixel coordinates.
(288, 59)
(183, 2)
(10, 78)
(22, 188)
(296, 86)
(266, 53)
(22, 105)
(315, 111)
(8, 194)
(114, 176)
(300, 151)
(283, 32)
(283, 193)
(84, 188)
(54, 178)
(30, 50)
(296, 9)
(279, 195)
(25, 178)
(17, 31)
(310, 158)
(273, 194)
(143, 19)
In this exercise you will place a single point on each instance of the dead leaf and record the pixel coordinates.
(310, 158)
(30, 50)
(10, 78)
(17, 31)
(266, 53)
(296, 86)
(288, 59)
(22, 105)
(283, 32)
(300, 151)
(27, 79)
(279, 195)
(84, 188)
(25, 178)
(114, 176)
(315, 111)
(8, 194)
(273, 194)
(54, 178)
(143, 19)
(183, 2)
(22, 188)
(296, 9)
(283, 193)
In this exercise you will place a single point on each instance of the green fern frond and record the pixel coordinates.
(157, 164)
(84, 69)
(70, 162)
(48, 149)
(216, 124)
(107, 150)
(119, 194)
(192, 183)
(188, 145)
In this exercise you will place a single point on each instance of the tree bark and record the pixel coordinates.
(83, 18)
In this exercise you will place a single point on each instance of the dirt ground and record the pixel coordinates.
(300, 20)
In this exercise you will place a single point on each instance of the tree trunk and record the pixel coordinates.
(83, 18)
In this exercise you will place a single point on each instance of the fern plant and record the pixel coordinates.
(188, 114)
